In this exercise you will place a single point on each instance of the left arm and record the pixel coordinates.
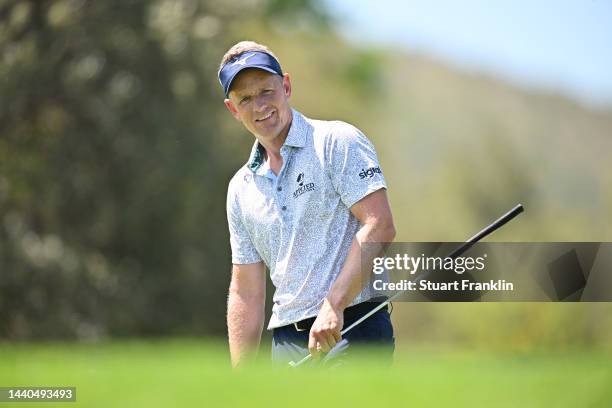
(374, 214)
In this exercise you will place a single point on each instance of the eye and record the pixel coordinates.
(245, 100)
(268, 91)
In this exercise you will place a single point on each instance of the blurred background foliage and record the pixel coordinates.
(116, 150)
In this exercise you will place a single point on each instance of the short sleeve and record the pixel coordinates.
(243, 250)
(352, 164)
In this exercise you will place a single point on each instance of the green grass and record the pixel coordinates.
(188, 373)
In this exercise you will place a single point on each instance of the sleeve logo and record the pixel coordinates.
(369, 173)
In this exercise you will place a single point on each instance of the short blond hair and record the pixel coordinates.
(242, 47)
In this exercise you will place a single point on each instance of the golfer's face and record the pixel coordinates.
(260, 100)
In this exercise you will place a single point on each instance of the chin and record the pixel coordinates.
(270, 135)
(270, 132)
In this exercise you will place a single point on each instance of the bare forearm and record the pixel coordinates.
(352, 278)
(245, 319)
(374, 214)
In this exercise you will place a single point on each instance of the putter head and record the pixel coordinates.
(292, 364)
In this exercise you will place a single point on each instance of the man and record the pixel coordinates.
(311, 194)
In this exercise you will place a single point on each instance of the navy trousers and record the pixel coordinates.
(375, 334)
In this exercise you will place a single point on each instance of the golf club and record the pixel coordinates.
(460, 250)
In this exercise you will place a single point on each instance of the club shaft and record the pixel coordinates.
(498, 223)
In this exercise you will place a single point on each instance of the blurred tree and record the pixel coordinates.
(364, 73)
(114, 165)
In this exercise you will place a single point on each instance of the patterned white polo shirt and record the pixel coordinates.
(299, 223)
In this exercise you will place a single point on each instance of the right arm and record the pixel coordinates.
(246, 310)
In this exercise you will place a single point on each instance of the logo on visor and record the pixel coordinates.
(242, 61)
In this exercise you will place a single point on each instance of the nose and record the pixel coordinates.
(260, 104)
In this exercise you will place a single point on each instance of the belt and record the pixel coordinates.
(351, 314)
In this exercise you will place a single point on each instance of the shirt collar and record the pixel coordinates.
(297, 132)
(257, 157)
(295, 138)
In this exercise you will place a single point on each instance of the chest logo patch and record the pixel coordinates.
(302, 186)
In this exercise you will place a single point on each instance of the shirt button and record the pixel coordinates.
(284, 207)
(279, 189)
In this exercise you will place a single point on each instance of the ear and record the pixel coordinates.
(287, 84)
(232, 108)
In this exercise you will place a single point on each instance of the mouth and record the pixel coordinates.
(267, 117)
